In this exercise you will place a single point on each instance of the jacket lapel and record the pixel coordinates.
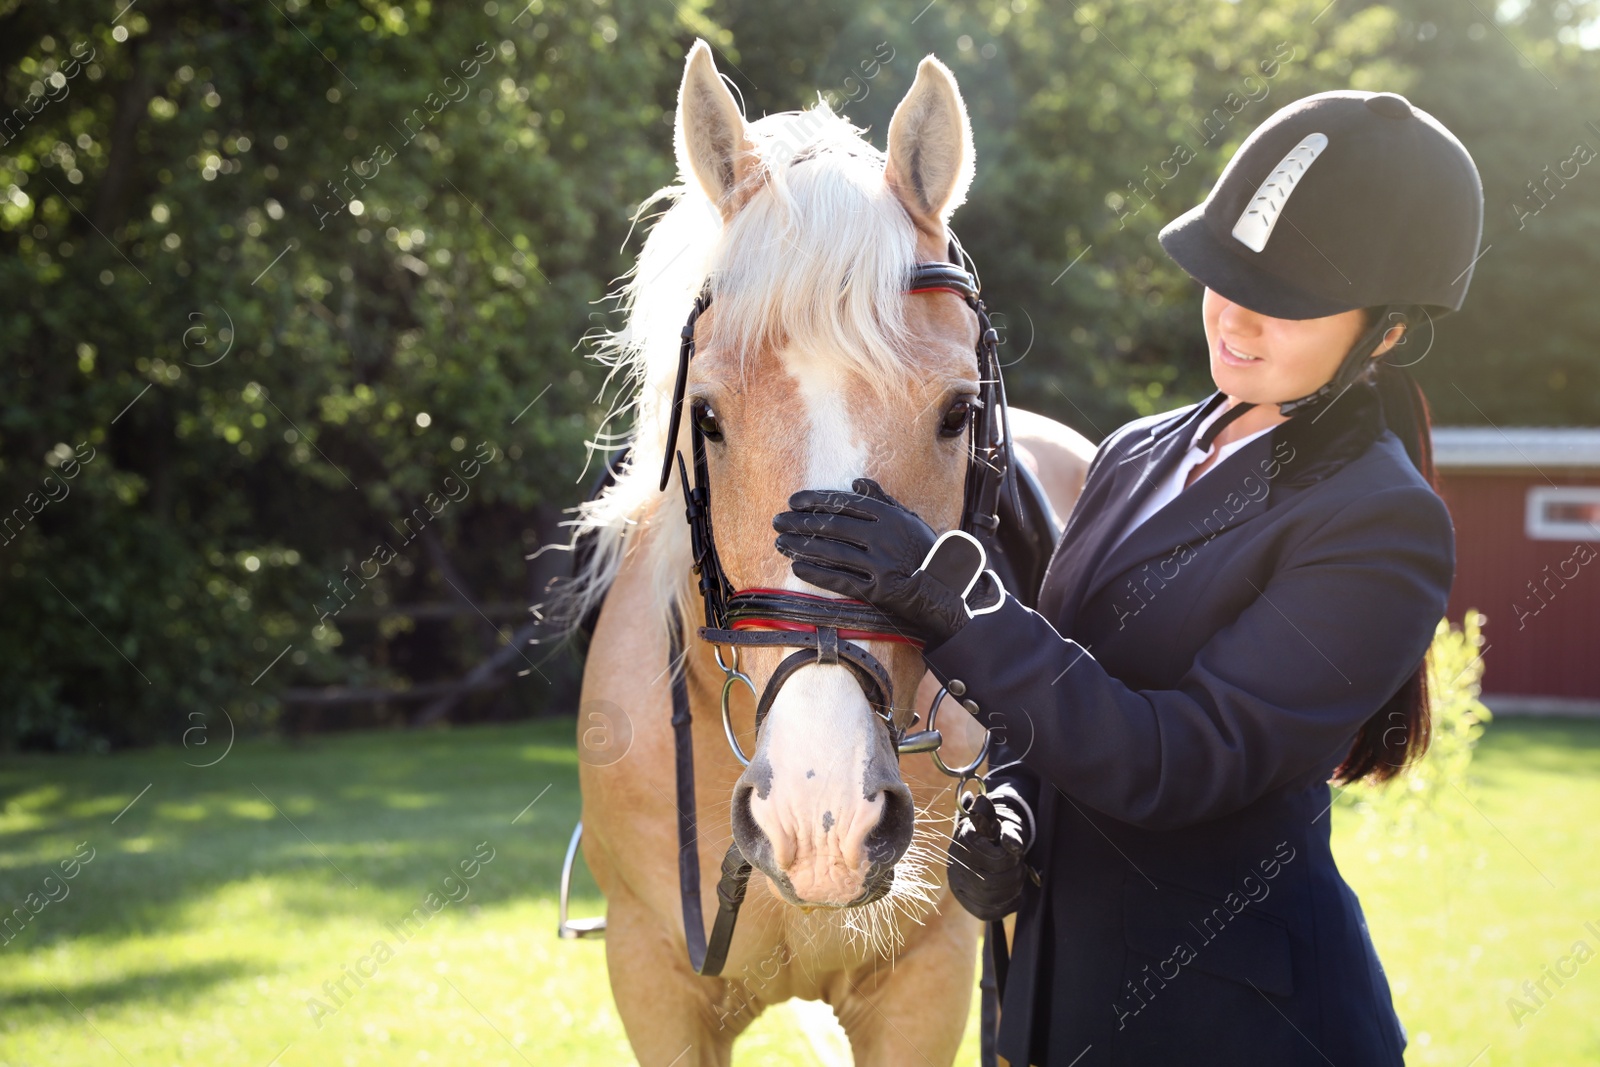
(1233, 492)
(1100, 516)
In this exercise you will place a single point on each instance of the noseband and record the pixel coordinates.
(822, 630)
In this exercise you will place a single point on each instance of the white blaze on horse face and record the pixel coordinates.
(834, 454)
(829, 767)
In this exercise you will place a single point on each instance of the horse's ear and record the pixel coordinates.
(930, 148)
(710, 137)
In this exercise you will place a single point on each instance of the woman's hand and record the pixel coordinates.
(986, 866)
(868, 546)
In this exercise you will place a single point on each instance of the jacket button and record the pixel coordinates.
(957, 688)
(971, 706)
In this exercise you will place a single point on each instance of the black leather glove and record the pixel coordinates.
(868, 546)
(993, 831)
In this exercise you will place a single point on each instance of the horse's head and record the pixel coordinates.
(815, 367)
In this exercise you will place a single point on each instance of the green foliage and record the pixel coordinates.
(284, 270)
(270, 382)
(1431, 799)
(1523, 95)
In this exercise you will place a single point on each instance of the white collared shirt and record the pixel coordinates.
(1173, 484)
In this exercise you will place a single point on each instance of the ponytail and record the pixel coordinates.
(1398, 734)
(1405, 409)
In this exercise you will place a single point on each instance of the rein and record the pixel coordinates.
(821, 629)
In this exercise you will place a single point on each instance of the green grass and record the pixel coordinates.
(1463, 917)
(224, 898)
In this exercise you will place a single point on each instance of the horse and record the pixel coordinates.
(813, 367)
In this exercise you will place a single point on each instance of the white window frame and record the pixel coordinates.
(1540, 528)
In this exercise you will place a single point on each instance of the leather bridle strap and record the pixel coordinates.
(681, 382)
(822, 645)
(927, 277)
(786, 609)
(706, 957)
(694, 927)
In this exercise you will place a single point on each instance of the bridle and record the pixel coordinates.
(822, 630)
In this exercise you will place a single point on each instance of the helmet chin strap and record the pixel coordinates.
(1207, 438)
(1355, 364)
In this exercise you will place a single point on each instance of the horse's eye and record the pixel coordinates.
(705, 420)
(956, 417)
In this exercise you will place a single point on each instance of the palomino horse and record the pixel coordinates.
(814, 367)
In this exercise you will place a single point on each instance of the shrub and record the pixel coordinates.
(1435, 788)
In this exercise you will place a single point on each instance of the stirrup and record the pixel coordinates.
(577, 928)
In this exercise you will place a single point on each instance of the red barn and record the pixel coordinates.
(1526, 503)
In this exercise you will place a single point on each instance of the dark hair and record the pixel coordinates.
(1398, 733)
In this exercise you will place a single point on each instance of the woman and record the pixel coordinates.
(1238, 610)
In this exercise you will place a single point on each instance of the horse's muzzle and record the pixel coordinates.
(832, 879)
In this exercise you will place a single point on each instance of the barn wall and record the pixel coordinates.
(1542, 637)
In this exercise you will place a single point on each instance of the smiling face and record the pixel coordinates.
(1263, 360)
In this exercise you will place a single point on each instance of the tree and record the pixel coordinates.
(306, 280)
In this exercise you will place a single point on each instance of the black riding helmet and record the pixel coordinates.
(1340, 200)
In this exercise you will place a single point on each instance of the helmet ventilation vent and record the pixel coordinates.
(1255, 225)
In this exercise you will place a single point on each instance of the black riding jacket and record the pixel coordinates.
(1175, 707)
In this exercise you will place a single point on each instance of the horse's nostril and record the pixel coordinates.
(888, 840)
(747, 833)
(743, 819)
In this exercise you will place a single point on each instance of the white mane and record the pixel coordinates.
(817, 258)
